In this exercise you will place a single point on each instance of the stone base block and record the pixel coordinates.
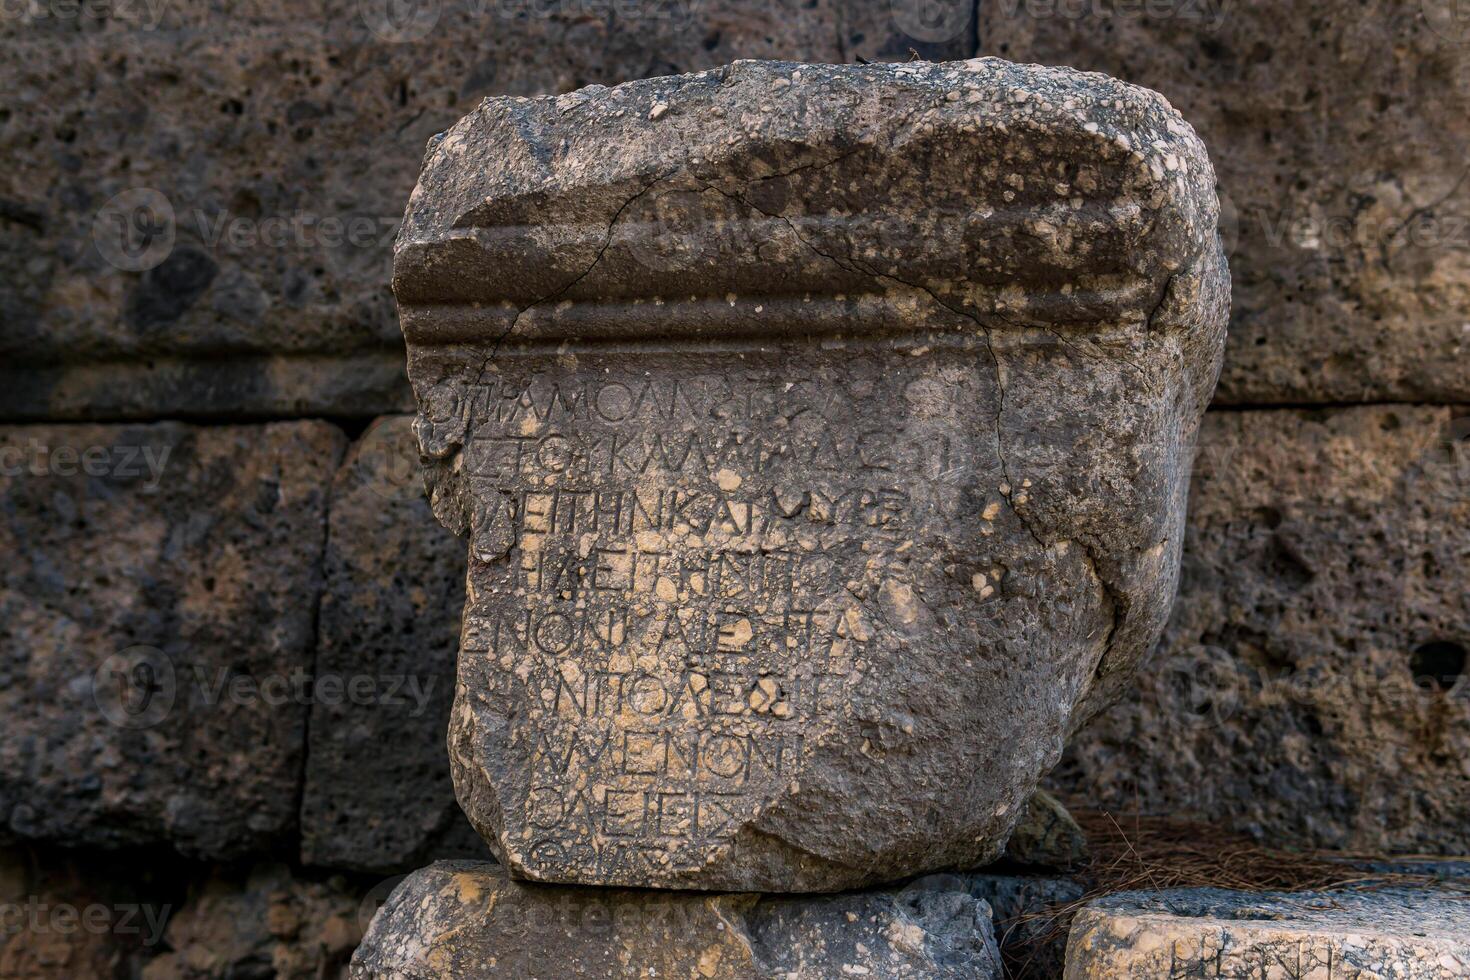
(468, 919)
(1408, 934)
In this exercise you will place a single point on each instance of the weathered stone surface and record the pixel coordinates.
(467, 919)
(388, 626)
(805, 520)
(1046, 836)
(261, 151)
(1414, 935)
(261, 922)
(156, 617)
(1312, 687)
(1339, 134)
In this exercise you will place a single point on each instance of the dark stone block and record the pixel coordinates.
(378, 795)
(157, 607)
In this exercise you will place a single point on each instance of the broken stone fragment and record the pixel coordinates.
(1395, 932)
(469, 919)
(822, 441)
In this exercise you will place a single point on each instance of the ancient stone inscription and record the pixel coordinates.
(678, 576)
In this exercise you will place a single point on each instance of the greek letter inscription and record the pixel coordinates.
(691, 585)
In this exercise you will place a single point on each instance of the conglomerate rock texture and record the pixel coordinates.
(822, 436)
(1338, 131)
(465, 919)
(1311, 687)
(153, 637)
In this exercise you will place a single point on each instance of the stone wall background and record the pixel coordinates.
(229, 620)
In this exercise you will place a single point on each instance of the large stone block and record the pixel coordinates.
(463, 919)
(1312, 687)
(1338, 131)
(1401, 933)
(157, 606)
(199, 200)
(388, 628)
(822, 436)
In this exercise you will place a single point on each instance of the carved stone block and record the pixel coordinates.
(822, 435)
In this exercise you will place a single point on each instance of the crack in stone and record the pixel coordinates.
(562, 290)
(1082, 352)
(1118, 604)
(1415, 215)
(1118, 608)
(815, 165)
(1148, 323)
